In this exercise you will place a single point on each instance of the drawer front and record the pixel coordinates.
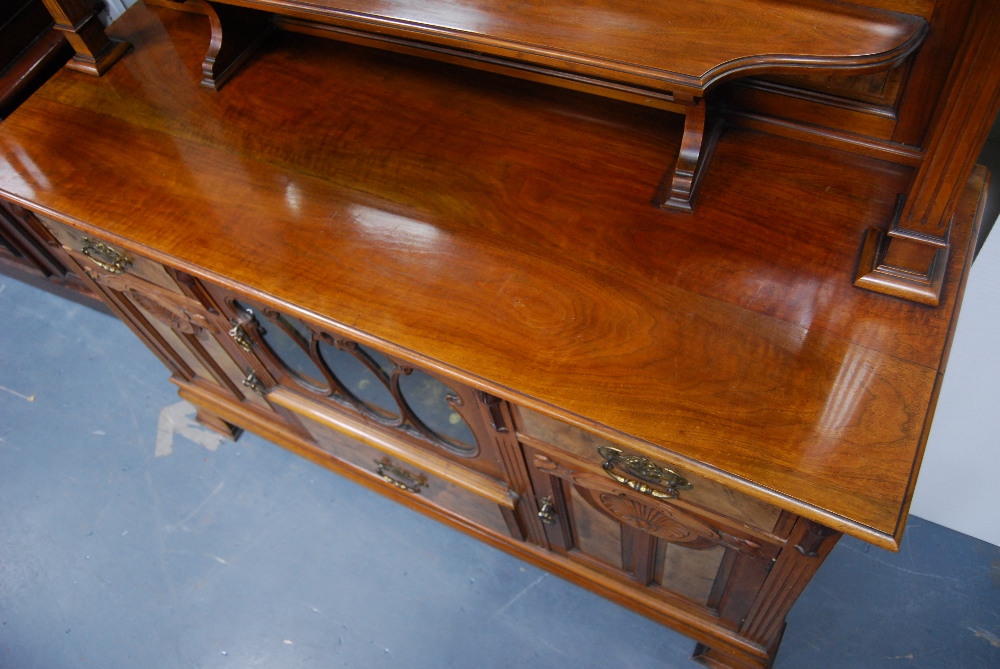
(554, 436)
(97, 253)
(426, 485)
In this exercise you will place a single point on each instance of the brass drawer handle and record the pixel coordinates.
(644, 474)
(399, 477)
(105, 257)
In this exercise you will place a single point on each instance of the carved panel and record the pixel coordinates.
(660, 519)
(669, 525)
(180, 314)
(357, 379)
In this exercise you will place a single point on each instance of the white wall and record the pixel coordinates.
(959, 484)
(115, 8)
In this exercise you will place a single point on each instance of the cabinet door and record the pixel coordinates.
(170, 313)
(28, 246)
(688, 559)
(415, 416)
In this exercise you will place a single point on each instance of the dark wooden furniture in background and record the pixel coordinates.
(343, 251)
(31, 51)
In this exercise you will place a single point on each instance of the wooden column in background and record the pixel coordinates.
(95, 51)
(909, 260)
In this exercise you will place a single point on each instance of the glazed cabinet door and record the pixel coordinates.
(408, 427)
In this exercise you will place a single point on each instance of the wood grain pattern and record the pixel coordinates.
(961, 123)
(728, 339)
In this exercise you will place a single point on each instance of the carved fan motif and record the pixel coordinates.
(174, 317)
(679, 529)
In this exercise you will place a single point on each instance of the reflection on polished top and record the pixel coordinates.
(522, 257)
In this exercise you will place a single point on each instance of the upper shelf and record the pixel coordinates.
(682, 45)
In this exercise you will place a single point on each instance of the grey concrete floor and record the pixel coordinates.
(221, 554)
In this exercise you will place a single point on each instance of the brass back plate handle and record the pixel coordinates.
(642, 475)
(400, 477)
(547, 511)
(105, 257)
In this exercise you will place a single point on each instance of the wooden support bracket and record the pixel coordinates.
(237, 32)
(95, 51)
(701, 131)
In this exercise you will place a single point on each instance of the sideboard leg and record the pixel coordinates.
(95, 51)
(808, 545)
(714, 659)
(208, 419)
(700, 134)
(236, 33)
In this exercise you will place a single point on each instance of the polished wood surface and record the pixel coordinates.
(665, 56)
(30, 52)
(390, 205)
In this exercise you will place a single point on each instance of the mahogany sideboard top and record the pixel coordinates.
(502, 231)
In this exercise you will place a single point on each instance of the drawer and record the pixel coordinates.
(431, 479)
(109, 257)
(544, 433)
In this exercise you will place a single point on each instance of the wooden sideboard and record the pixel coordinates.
(453, 286)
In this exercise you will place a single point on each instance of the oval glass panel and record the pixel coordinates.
(288, 348)
(428, 398)
(359, 380)
(379, 359)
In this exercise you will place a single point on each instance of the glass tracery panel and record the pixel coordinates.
(433, 403)
(354, 375)
(359, 380)
(291, 348)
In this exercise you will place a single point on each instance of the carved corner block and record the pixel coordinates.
(901, 267)
(95, 51)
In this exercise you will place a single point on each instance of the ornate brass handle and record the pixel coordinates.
(399, 477)
(644, 474)
(547, 511)
(105, 257)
